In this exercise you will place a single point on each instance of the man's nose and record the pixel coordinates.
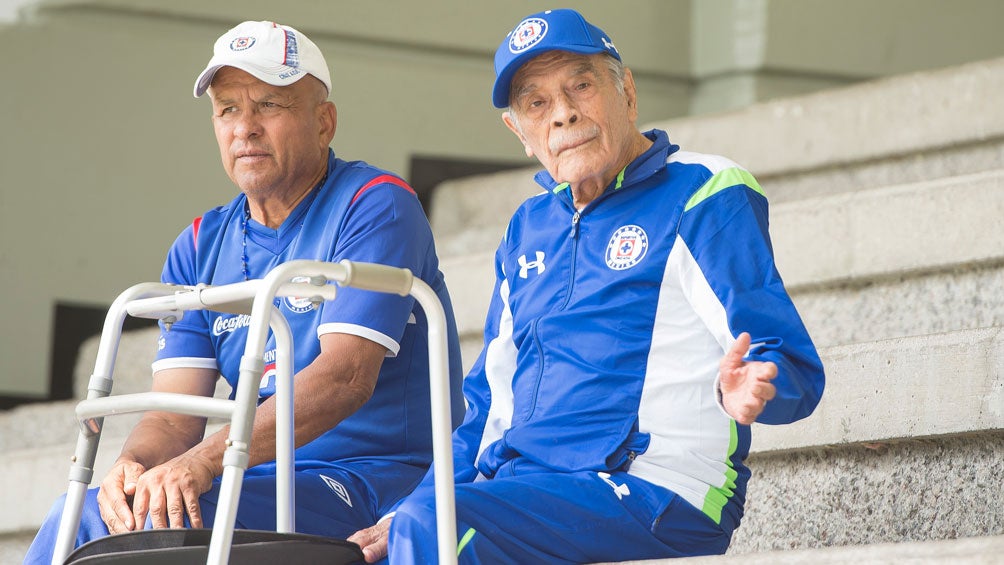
(565, 112)
(248, 124)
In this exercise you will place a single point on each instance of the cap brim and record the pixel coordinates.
(205, 79)
(503, 82)
(276, 76)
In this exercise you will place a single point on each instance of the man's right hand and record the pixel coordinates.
(115, 494)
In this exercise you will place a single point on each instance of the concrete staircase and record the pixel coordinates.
(888, 224)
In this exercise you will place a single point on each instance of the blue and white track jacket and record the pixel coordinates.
(606, 328)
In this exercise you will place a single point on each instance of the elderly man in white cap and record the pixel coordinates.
(363, 428)
(609, 414)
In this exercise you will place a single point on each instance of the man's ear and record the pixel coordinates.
(513, 127)
(329, 121)
(631, 94)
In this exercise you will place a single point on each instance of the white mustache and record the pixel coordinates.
(572, 138)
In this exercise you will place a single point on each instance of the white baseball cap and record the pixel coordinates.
(272, 53)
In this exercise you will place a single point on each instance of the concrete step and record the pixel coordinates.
(966, 551)
(900, 229)
(907, 444)
(901, 305)
(896, 130)
(901, 389)
(928, 488)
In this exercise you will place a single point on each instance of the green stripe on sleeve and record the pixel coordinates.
(722, 180)
(465, 540)
(718, 497)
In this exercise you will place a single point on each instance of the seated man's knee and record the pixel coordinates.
(413, 529)
(416, 510)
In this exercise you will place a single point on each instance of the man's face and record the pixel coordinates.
(568, 112)
(271, 138)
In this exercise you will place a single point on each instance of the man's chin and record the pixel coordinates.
(576, 171)
(251, 184)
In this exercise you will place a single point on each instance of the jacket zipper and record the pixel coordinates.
(574, 235)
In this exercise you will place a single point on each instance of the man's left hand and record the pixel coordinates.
(171, 490)
(373, 540)
(745, 385)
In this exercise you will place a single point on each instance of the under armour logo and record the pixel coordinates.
(524, 267)
(620, 490)
(338, 489)
(608, 45)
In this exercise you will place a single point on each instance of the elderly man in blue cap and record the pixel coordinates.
(638, 326)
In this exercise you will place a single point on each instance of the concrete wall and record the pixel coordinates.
(105, 157)
(746, 51)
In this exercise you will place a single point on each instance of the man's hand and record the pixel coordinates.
(171, 490)
(116, 490)
(745, 385)
(373, 540)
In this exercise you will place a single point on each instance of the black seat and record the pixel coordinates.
(191, 546)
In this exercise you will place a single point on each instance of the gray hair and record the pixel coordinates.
(615, 68)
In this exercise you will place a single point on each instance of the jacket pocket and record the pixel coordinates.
(635, 444)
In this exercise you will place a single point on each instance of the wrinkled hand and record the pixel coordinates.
(745, 385)
(373, 540)
(171, 490)
(117, 489)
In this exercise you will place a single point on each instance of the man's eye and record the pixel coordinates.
(228, 110)
(582, 86)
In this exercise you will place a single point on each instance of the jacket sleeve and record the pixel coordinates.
(726, 232)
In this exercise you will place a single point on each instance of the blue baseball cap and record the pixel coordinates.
(553, 30)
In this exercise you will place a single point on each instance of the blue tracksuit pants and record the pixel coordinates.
(549, 517)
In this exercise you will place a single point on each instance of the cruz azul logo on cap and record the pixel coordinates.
(627, 247)
(241, 43)
(528, 33)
